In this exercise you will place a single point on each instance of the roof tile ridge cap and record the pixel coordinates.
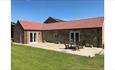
(89, 18)
(93, 18)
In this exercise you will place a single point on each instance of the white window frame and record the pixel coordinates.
(74, 35)
(36, 40)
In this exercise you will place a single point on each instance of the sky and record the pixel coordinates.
(40, 10)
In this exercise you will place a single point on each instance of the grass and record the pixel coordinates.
(28, 58)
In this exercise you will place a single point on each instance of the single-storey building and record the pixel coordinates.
(89, 32)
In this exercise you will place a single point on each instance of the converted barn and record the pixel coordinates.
(88, 32)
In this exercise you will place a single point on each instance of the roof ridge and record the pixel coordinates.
(88, 18)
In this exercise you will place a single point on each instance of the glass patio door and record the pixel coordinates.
(74, 37)
(32, 37)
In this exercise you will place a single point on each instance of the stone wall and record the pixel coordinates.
(56, 36)
(88, 37)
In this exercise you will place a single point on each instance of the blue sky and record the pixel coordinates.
(40, 10)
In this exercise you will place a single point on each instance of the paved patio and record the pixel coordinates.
(86, 51)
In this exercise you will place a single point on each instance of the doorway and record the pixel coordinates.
(74, 36)
(32, 37)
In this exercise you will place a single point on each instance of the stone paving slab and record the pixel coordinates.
(86, 51)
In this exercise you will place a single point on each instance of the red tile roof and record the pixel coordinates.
(75, 24)
(27, 25)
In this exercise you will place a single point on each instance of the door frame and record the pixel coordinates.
(36, 38)
(74, 35)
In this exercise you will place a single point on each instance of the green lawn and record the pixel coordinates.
(28, 58)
